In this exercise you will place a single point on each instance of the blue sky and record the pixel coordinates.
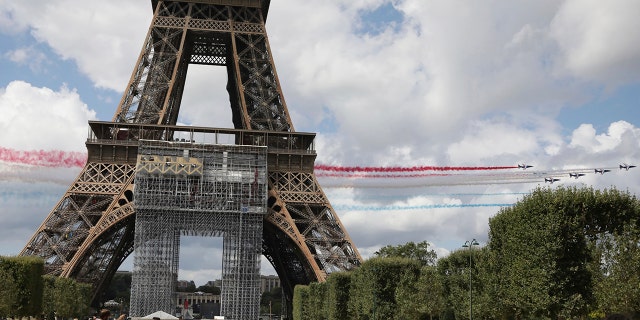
(604, 108)
(44, 68)
(383, 83)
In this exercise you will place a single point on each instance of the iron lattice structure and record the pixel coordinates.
(90, 231)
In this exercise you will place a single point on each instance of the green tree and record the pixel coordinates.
(191, 287)
(372, 294)
(208, 289)
(65, 298)
(316, 301)
(24, 289)
(119, 288)
(617, 286)
(71, 299)
(407, 296)
(431, 288)
(453, 272)
(466, 285)
(48, 296)
(338, 284)
(8, 293)
(410, 250)
(546, 244)
(612, 224)
(539, 243)
(300, 298)
(271, 301)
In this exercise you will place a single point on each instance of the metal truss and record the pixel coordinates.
(87, 235)
(92, 229)
(184, 32)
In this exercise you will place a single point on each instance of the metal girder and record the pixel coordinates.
(91, 230)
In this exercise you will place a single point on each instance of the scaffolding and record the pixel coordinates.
(185, 188)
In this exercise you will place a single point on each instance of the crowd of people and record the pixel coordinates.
(105, 314)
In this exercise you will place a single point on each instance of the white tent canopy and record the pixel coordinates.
(160, 314)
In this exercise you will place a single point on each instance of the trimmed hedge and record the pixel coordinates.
(300, 297)
(337, 295)
(21, 295)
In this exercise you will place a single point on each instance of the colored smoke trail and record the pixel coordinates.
(58, 158)
(406, 169)
(421, 207)
(386, 196)
(425, 180)
(466, 179)
(343, 176)
(42, 158)
(34, 174)
(367, 175)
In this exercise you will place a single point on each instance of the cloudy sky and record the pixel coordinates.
(384, 83)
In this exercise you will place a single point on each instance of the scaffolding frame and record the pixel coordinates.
(183, 188)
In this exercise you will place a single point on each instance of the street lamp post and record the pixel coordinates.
(470, 244)
(375, 294)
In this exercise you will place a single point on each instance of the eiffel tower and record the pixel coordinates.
(90, 231)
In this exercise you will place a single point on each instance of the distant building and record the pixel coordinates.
(214, 283)
(195, 298)
(184, 285)
(267, 283)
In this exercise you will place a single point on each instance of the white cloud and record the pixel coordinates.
(27, 56)
(596, 39)
(460, 82)
(491, 140)
(42, 119)
(36, 119)
(206, 101)
(414, 90)
(18, 55)
(585, 137)
(423, 87)
(8, 23)
(97, 35)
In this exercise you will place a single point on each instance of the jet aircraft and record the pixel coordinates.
(524, 166)
(551, 180)
(601, 171)
(576, 175)
(626, 166)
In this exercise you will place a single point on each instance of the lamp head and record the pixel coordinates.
(468, 243)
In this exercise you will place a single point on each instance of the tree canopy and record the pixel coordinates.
(22, 294)
(414, 251)
(546, 251)
(564, 253)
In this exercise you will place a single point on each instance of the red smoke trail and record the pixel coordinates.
(57, 158)
(406, 169)
(365, 175)
(51, 158)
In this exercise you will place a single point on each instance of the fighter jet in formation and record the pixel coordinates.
(601, 171)
(524, 166)
(551, 180)
(576, 175)
(626, 166)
